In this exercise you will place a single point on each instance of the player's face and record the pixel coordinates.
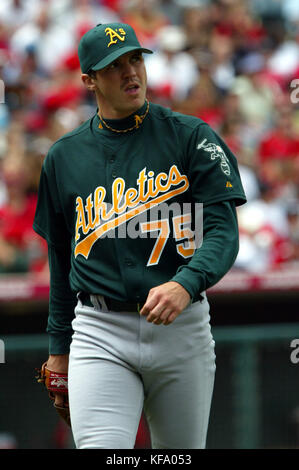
(121, 86)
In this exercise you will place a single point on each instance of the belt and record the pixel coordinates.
(112, 304)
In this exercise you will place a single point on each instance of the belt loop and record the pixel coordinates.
(78, 295)
(93, 299)
(102, 303)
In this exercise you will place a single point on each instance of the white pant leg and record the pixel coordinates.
(105, 394)
(117, 358)
(179, 385)
(177, 404)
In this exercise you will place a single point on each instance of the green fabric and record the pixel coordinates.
(93, 176)
(211, 261)
(62, 301)
(218, 252)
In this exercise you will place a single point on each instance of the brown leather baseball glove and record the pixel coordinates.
(55, 382)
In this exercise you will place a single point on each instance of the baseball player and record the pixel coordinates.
(129, 324)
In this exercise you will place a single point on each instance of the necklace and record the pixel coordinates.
(138, 122)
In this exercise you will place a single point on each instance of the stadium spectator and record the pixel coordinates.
(197, 24)
(222, 71)
(282, 140)
(146, 19)
(293, 219)
(20, 249)
(50, 41)
(257, 98)
(77, 16)
(16, 13)
(172, 72)
(264, 233)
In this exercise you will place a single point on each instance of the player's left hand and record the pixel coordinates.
(165, 302)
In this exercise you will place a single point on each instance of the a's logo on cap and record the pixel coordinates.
(115, 35)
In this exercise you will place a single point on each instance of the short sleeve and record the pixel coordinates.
(49, 220)
(213, 169)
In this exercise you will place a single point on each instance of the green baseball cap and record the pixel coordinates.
(104, 43)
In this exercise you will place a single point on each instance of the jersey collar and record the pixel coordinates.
(122, 126)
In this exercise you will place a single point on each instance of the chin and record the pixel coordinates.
(135, 104)
(129, 105)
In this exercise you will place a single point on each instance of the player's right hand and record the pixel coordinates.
(165, 302)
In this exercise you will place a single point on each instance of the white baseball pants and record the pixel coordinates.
(120, 363)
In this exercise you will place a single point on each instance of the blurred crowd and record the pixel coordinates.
(232, 63)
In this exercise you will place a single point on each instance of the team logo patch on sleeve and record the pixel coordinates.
(216, 151)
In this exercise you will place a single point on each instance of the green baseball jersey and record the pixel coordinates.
(97, 182)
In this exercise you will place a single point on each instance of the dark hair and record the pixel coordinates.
(92, 73)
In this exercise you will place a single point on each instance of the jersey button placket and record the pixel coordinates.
(111, 161)
(129, 263)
